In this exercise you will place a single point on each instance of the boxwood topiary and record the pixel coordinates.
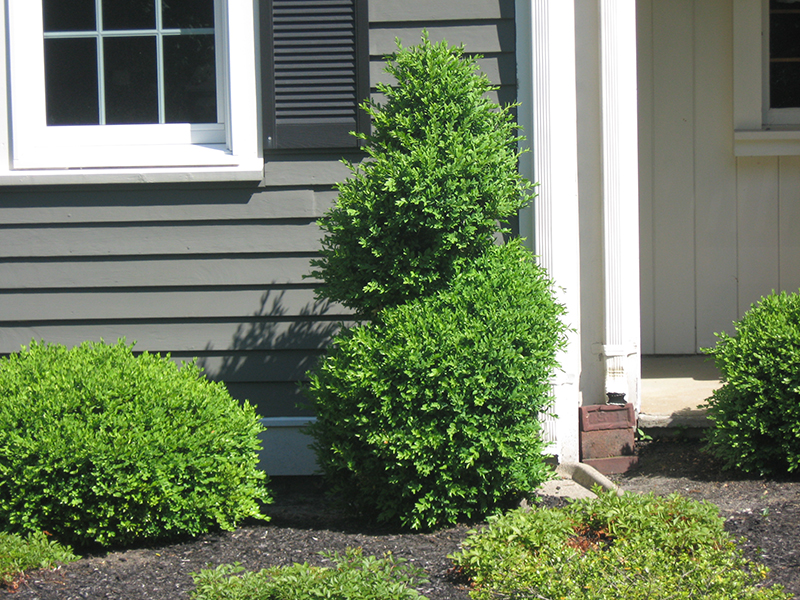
(100, 446)
(430, 415)
(756, 412)
(443, 172)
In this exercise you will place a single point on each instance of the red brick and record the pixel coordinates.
(607, 443)
(615, 464)
(607, 416)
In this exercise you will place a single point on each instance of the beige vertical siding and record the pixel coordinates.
(717, 232)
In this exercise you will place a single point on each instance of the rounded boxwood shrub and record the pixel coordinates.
(430, 415)
(756, 412)
(443, 172)
(100, 446)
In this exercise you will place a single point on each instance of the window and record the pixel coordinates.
(767, 77)
(782, 57)
(130, 90)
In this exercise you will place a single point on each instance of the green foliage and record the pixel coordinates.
(34, 551)
(756, 412)
(354, 577)
(443, 172)
(97, 445)
(429, 416)
(637, 547)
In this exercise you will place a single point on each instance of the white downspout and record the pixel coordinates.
(548, 115)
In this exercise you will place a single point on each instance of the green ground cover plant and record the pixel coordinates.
(441, 176)
(353, 577)
(756, 412)
(633, 547)
(34, 551)
(99, 446)
(428, 416)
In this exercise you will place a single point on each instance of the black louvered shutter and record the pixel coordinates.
(315, 72)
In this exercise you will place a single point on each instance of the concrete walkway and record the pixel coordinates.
(674, 387)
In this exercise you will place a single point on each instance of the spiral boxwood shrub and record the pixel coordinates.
(100, 446)
(756, 412)
(442, 173)
(430, 415)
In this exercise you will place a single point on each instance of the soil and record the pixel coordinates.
(304, 523)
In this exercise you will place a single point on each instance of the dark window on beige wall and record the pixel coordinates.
(784, 53)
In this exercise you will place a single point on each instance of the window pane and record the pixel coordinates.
(70, 72)
(184, 14)
(129, 14)
(784, 35)
(190, 79)
(131, 81)
(785, 85)
(68, 15)
(784, 54)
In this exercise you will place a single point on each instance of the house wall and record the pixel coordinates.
(717, 231)
(210, 271)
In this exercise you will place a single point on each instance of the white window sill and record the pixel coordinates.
(767, 142)
(250, 170)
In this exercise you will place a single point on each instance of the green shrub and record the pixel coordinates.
(637, 547)
(756, 412)
(35, 551)
(443, 172)
(354, 577)
(97, 445)
(430, 415)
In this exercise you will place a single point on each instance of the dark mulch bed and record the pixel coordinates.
(304, 523)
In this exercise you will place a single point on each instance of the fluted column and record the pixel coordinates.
(620, 197)
(548, 114)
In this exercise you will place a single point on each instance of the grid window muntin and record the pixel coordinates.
(160, 36)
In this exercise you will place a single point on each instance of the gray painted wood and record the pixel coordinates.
(138, 304)
(142, 206)
(213, 271)
(191, 335)
(381, 11)
(143, 239)
(141, 273)
(478, 38)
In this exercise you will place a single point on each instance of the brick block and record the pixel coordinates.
(615, 464)
(607, 443)
(607, 416)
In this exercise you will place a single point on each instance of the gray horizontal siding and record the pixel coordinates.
(438, 10)
(195, 335)
(68, 273)
(211, 271)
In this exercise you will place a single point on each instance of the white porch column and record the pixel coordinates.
(620, 198)
(548, 115)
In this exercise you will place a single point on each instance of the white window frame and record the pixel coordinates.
(38, 154)
(758, 130)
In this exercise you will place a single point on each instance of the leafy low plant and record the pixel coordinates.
(637, 547)
(354, 577)
(99, 445)
(443, 173)
(430, 415)
(756, 412)
(34, 551)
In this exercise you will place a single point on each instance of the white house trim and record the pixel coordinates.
(620, 195)
(548, 115)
